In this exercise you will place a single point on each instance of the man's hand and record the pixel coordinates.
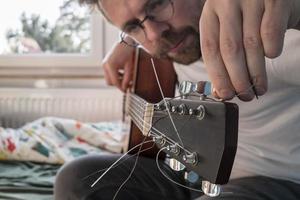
(236, 35)
(118, 68)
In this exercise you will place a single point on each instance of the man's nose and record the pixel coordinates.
(154, 30)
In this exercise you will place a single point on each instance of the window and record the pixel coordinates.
(47, 33)
(56, 38)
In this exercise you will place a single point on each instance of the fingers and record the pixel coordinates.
(232, 51)
(253, 45)
(118, 66)
(273, 27)
(112, 76)
(236, 36)
(209, 40)
(128, 76)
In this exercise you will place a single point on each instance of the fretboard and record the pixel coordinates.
(141, 112)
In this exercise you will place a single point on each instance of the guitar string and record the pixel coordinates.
(188, 187)
(141, 119)
(145, 137)
(112, 165)
(177, 183)
(161, 171)
(177, 97)
(159, 133)
(142, 109)
(135, 163)
(175, 131)
(103, 169)
(131, 172)
(163, 96)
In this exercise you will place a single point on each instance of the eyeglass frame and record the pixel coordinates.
(140, 24)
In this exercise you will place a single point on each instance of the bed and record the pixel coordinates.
(31, 155)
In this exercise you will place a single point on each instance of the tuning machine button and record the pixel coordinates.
(176, 165)
(190, 158)
(201, 87)
(210, 189)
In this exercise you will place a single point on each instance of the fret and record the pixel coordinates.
(142, 112)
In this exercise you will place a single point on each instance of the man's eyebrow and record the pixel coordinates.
(134, 21)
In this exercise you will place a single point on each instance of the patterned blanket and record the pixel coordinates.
(56, 140)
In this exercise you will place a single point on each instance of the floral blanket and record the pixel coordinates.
(56, 140)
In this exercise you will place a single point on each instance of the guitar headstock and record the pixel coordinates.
(208, 133)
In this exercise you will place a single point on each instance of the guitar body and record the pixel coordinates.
(145, 85)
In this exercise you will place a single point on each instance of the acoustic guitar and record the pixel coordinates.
(207, 128)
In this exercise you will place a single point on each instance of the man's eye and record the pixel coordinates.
(132, 29)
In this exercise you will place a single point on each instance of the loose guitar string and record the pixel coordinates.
(144, 141)
(155, 131)
(101, 170)
(112, 165)
(135, 163)
(175, 182)
(163, 96)
(171, 180)
(181, 96)
(158, 133)
(128, 150)
(115, 163)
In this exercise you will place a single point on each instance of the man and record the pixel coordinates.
(235, 37)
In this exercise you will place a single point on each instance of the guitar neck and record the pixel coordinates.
(141, 112)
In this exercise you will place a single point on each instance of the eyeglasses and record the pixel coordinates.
(157, 11)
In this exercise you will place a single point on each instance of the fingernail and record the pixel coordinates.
(259, 90)
(226, 94)
(246, 96)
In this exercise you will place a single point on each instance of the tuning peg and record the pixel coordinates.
(182, 109)
(174, 149)
(198, 112)
(210, 189)
(201, 87)
(190, 158)
(162, 105)
(159, 140)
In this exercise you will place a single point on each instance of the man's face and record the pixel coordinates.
(177, 38)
